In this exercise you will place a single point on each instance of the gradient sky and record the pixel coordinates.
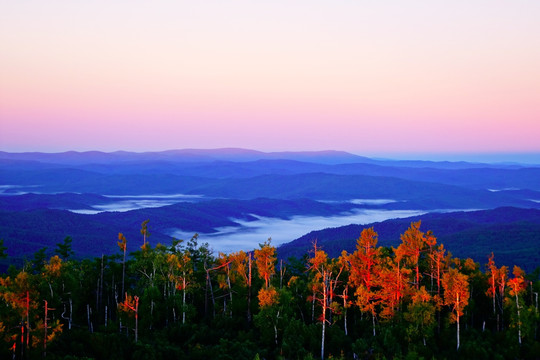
(369, 77)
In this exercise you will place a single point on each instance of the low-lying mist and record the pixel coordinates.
(248, 234)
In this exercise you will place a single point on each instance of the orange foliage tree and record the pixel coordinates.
(456, 294)
(180, 274)
(265, 258)
(326, 276)
(241, 272)
(19, 295)
(131, 303)
(122, 244)
(517, 285)
(365, 271)
(413, 244)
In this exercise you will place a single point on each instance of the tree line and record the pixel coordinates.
(183, 301)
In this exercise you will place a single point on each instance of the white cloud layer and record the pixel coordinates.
(249, 234)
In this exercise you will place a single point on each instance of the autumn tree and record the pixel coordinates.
(392, 286)
(321, 269)
(346, 303)
(241, 267)
(364, 270)
(456, 295)
(131, 305)
(52, 272)
(492, 272)
(180, 273)
(223, 266)
(516, 286)
(430, 242)
(401, 275)
(144, 233)
(502, 279)
(150, 264)
(21, 297)
(265, 258)
(438, 257)
(122, 244)
(413, 244)
(274, 313)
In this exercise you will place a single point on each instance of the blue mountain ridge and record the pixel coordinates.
(513, 234)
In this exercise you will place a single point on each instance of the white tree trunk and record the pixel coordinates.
(457, 315)
(322, 340)
(519, 319)
(184, 301)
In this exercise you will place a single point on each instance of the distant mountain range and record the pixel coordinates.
(232, 155)
(206, 190)
(184, 155)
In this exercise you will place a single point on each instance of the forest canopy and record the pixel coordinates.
(180, 300)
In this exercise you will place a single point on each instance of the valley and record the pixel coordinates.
(235, 199)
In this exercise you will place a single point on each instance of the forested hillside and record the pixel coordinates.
(179, 300)
(513, 233)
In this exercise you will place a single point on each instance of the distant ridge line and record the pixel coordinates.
(233, 154)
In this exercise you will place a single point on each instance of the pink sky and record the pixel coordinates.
(404, 77)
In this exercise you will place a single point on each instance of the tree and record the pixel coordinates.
(64, 248)
(456, 295)
(392, 287)
(438, 257)
(144, 233)
(151, 264)
(517, 285)
(20, 296)
(421, 314)
(492, 272)
(401, 275)
(265, 258)
(364, 270)
(131, 303)
(241, 269)
(274, 311)
(224, 279)
(3, 253)
(344, 263)
(431, 241)
(52, 272)
(180, 272)
(321, 271)
(501, 285)
(413, 243)
(122, 244)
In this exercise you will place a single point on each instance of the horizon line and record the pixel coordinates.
(490, 157)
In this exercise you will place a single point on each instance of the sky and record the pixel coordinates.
(375, 78)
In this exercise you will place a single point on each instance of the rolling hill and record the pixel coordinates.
(513, 234)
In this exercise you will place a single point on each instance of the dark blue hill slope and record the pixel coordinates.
(513, 234)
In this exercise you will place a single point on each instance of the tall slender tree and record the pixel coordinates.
(122, 244)
(517, 285)
(413, 243)
(241, 269)
(364, 272)
(492, 273)
(456, 295)
(319, 267)
(265, 258)
(144, 233)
